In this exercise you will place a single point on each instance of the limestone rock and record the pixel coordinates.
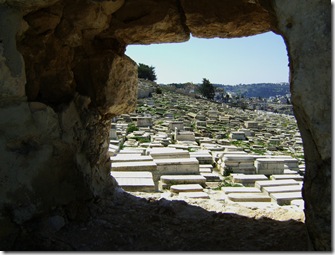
(44, 20)
(53, 81)
(122, 79)
(148, 21)
(110, 81)
(36, 165)
(310, 80)
(226, 18)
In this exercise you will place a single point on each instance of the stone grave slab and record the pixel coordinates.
(167, 153)
(248, 180)
(204, 157)
(200, 123)
(183, 146)
(178, 164)
(211, 177)
(248, 197)
(114, 142)
(238, 157)
(206, 166)
(251, 124)
(261, 184)
(132, 150)
(134, 181)
(186, 188)
(292, 163)
(131, 174)
(234, 153)
(281, 189)
(134, 166)
(247, 132)
(184, 136)
(176, 124)
(205, 170)
(194, 195)
(238, 163)
(238, 135)
(144, 121)
(153, 145)
(135, 152)
(296, 177)
(228, 190)
(130, 157)
(166, 181)
(269, 166)
(285, 198)
(183, 179)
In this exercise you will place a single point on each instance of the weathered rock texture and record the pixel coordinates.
(307, 32)
(227, 18)
(148, 21)
(63, 75)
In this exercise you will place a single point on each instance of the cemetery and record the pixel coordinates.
(179, 147)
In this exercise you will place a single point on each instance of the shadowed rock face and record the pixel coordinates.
(63, 75)
(227, 19)
(310, 80)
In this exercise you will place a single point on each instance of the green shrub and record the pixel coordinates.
(142, 139)
(131, 128)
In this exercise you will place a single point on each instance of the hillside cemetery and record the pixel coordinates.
(191, 148)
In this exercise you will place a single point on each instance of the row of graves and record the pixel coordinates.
(194, 148)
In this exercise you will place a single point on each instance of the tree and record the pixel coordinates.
(146, 72)
(207, 89)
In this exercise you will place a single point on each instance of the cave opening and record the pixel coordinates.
(249, 60)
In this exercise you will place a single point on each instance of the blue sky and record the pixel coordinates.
(255, 59)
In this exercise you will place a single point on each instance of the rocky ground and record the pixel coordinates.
(150, 222)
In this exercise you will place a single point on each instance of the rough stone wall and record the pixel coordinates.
(227, 19)
(63, 75)
(59, 90)
(307, 32)
(148, 21)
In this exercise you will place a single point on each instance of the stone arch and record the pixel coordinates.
(74, 77)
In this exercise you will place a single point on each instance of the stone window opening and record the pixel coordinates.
(146, 92)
